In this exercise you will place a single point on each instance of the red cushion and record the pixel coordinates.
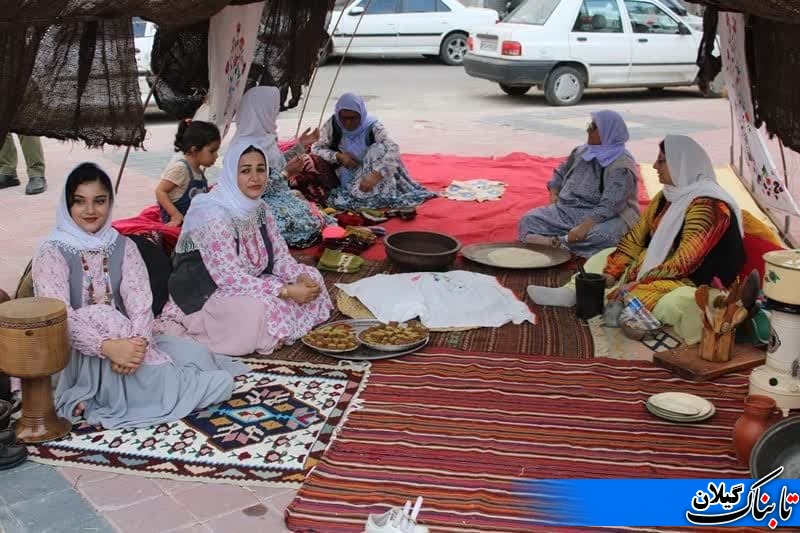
(755, 248)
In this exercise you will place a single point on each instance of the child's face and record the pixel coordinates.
(207, 156)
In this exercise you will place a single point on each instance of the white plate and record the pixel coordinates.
(681, 404)
(677, 418)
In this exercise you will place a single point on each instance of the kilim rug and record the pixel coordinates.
(461, 430)
(557, 332)
(272, 431)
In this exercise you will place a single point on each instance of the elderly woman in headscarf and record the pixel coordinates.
(691, 233)
(593, 194)
(299, 221)
(371, 174)
(235, 287)
(121, 373)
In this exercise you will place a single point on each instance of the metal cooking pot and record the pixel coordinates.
(778, 446)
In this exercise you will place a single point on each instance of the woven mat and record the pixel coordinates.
(273, 430)
(460, 429)
(557, 331)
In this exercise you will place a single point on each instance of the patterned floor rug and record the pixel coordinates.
(557, 331)
(462, 429)
(274, 429)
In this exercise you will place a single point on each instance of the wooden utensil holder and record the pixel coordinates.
(717, 347)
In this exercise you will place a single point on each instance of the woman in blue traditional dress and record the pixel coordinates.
(300, 222)
(593, 194)
(371, 174)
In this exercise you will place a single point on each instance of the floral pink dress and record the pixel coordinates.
(245, 314)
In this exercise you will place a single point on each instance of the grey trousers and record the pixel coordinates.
(31, 150)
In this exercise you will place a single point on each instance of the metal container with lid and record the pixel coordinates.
(782, 276)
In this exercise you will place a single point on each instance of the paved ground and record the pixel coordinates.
(428, 108)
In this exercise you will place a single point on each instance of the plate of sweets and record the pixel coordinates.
(332, 338)
(394, 336)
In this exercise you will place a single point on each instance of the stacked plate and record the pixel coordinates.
(680, 407)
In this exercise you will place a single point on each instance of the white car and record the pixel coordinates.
(565, 46)
(143, 34)
(404, 28)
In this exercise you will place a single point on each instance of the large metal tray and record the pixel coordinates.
(479, 253)
(365, 353)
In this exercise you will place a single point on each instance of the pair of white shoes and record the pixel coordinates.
(396, 520)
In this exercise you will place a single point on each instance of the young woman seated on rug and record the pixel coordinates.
(235, 287)
(180, 183)
(691, 233)
(370, 171)
(593, 194)
(119, 374)
(299, 221)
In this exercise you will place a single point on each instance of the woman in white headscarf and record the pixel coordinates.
(299, 221)
(235, 286)
(371, 174)
(691, 233)
(120, 373)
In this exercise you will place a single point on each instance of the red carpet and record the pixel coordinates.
(525, 176)
(461, 429)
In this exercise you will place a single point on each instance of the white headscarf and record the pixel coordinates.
(257, 119)
(693, 177)
(71, 236)
(226, 200)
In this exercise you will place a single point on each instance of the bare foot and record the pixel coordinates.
(79, 409)
(542, 240)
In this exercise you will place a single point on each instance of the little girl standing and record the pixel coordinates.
(199, 142)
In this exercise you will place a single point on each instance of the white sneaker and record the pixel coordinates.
(392, 522)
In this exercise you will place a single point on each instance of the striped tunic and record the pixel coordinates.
(706, 224)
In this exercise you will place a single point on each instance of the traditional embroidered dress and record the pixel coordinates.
(372, 146)
(103, 280)
(690, 233)
(300, 223)
(597, 182)
(248, 263)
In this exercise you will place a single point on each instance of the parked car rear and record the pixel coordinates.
(566, 46)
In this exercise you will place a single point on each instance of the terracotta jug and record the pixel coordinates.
(760, 412)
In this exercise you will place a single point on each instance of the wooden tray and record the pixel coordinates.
(686, 362)
(480, 253)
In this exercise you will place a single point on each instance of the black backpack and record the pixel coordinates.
(159, 269)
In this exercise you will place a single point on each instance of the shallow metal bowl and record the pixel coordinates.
(422, 250)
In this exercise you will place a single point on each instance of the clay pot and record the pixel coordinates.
(760, 412)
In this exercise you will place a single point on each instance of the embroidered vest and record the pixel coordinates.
(114, 272)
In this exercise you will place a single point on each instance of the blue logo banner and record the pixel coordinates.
(766, 502)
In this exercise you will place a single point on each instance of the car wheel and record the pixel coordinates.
(515, 90)
(564, 87)
(454, 48)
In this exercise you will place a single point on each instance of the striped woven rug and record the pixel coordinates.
(461, 429)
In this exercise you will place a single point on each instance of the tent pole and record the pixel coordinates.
(314, 75)
(128, 148)
(338, 70)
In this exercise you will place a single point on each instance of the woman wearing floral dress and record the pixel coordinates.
(371, 174)
(299, 221)
(235, 287)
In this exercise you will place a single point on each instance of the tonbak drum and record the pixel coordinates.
(34, 346)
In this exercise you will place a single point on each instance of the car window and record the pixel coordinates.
(599, 16)
(649, 18)
(419, 6)
(533, 12)
(675, 6)
(441, 7)
(139, 27)
(380, 7)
